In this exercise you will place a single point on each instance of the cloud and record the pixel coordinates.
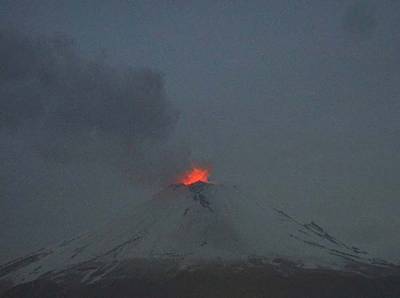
(359, 21)
(78, 137)
(71, 108)
(46, 80)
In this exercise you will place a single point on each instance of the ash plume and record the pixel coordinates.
(76, 133)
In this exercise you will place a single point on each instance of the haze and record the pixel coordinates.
(293, 101)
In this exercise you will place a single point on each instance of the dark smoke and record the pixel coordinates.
(76, 134)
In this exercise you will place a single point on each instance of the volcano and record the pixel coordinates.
(188, 228)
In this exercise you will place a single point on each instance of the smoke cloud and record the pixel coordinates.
(75, 133)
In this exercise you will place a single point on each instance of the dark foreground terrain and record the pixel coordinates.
(217, 281)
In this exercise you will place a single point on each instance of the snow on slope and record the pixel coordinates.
(200, 222)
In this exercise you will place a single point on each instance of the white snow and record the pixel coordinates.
(205, 222)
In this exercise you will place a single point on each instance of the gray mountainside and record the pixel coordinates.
(202, 222)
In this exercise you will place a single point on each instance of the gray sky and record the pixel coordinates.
(295, 101)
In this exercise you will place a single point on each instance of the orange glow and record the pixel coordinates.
(196, 174)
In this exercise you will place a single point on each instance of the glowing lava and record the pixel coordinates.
(194, 175)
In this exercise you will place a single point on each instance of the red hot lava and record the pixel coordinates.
(196, 174)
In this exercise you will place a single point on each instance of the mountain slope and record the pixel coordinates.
(187, 225)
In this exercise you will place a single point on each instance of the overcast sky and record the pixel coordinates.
(294, 101)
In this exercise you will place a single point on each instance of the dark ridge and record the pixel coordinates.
(22, 262)
(202, 200)
(118, 247)
(217, 280)
(317, 230)
(78, 250)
